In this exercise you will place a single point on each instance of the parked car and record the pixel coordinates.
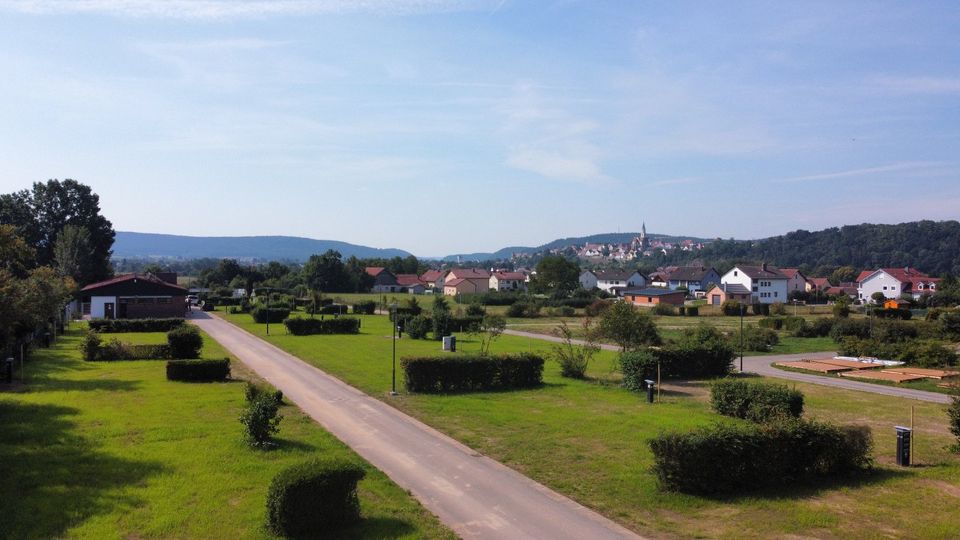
(193, 299)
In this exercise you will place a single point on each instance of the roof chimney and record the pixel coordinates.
(906, 269)
(764, 267)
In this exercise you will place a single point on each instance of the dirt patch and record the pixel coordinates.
(944, 487)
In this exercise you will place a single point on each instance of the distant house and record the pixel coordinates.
(797, 282)
(508, 281)
(615, 281)
(896, 303)
(383, 280)
(893, 282)
(652, 296)
(819, 284)
(411, 283)
(588, 280)
(719, 294)
(433, 279)
(693, 278)
(467, 273)
(767, 284)
(134, 296)
(466, 281)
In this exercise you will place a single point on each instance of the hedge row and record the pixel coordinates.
(700, 354)
(299, 326)
(311, 499)
(472, 373)
(365, 308)
(755, 401)
(927, 353)
(198, 370)
(116, 350)
(268, 314)
(790, 324)
(743, 457)
(116, 326)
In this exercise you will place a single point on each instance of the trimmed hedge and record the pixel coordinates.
(927, 353)
(299, 326)
(94, 349)
(701, 353)
(310, 499)
(731, 308)
(755, 401)
(743, 457)
(116, 326)
(269, 314)
(198, 370)
(438, 374)
(184, 342)
(368, 307)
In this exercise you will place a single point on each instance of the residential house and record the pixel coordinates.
(693, 278)
(766, 283)
(797, 281)
(508, 281)
(383, 280)
(134, 296)
(433, 279)
(588, 280)
(719, 294)
(818, 284)
(466, 281)
(411, 283)
(615, 281)
(893, 282)
(652, 296)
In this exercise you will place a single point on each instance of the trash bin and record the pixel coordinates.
(650, 387)
(903, 446)
(450, 343)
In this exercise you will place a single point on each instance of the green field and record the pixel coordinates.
(587, 439)
(114, 450)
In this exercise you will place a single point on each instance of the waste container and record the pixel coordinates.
(903, 446)
(450, 343)
(650, 387)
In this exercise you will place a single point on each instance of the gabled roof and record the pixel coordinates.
(516, 276)
(790, 272)
(432, 275)
(689, 273)
(148, 281)
(731, 288)
(375, 270)
(651, 291)
(615, 275)
(903, 275)
(761, 272)
(470, 273)
(820, 282)
(408, 280)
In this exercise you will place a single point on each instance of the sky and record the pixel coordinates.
(470, 125)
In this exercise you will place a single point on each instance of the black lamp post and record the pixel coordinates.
(742, 307)
(393, 338)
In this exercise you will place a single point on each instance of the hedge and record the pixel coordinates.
(365, 308)
(299, 326)
(755, 401)
(418, 327)
(116, 326)
(731, 307)
(773, 323)
(310, 499)
(438, 374)
(700, 353)
(761, 309)
(742, 457)
(818, 328)
(927, 353)
(184, 342)
(198, 370)
(268, 314)
(893, 313)
(116, 350)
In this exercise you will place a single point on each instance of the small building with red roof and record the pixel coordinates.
(796, 281)
(893, 282)
(134, 296)
(411, 283)
(508, 281)
(383, 280)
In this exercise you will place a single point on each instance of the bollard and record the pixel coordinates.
(903, 445)
(650, 386)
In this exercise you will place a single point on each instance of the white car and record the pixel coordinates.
(193, 299)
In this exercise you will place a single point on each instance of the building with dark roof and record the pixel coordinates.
(134, 296)
(766, 283)
(693, 278)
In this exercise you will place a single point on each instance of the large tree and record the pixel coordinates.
(556, 274)
(41, 213)
(327, 273)
(71, 253)
(628, 327)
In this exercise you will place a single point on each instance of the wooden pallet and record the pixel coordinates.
(881, 376)
(928, 373)
(819, 367)
(852, 364)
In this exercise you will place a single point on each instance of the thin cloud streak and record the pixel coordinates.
(906, 166)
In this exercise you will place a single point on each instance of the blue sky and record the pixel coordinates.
(460, 126)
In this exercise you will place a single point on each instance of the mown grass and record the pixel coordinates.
(114, 450)
(588, 439)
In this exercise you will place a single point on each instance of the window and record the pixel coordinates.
(774, 294)
(734, 272)
(884, 287)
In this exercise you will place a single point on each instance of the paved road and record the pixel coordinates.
(761, 366)
(475, 496)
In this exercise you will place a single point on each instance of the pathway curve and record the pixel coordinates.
(475, 496)
(761, 365)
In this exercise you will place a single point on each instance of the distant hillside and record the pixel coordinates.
(617, 238)
(133, 244)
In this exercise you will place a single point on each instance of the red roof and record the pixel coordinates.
(408, 280)
(431, 276)
(903, 275)
(518, 276)
(454, 282)
(150, 278)
(820, 282)
(470, 273)
(375, 270)
(790, 272)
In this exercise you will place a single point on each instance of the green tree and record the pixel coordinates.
(843, 274)
(440, 315)
(628, 327)
(878, 297)
(327, 273)
(556, 274)
(71, 253)
(16, 256)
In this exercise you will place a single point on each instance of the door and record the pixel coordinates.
(108, 310)
(122, 311)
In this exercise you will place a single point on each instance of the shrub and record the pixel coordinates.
(730, 307)
(760, 309)
(269, 314)
(637, 366)
(90, 345)
(700, 353)
(418, 327)
(311, 499)
(115, 326)
(757, 339)
(792, 324)
(253, 392)
(893, 313)
(953, 415)
(738, 458)
(299, 326)
(472, 373)
(918, 352)
(664, 309)
(777, 308)
(841, 310)
(185, 342)
(574, 358)
(774, 323)
(368, 307)
(950, 324)
(754, 401)
(597, 307)
(628, 327)
(198, 370)
(476, 310)
(693, 311)
(842, 328)
(523, 309)
(261, 419)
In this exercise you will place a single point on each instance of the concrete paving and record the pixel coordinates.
(475, 496)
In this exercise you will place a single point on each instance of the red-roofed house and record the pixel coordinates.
(819, 284)
(134, 296)
(383, 280)
(893, 282)
(796, 281)
(508, 281)
(466, 281)
(411, 283)
(433, 279)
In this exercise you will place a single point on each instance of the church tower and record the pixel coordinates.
(644, 242)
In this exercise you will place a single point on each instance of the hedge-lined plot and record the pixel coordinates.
(472, 373)
(300, 326)
(110, 326)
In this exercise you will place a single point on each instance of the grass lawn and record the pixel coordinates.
(114, 450)
(587, 439)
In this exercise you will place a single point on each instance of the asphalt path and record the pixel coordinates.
(761, 365)
(475, 496)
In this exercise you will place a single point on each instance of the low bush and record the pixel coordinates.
(773, 323)
(792, 324)
(597, 307)
(693, 311)
(300, 326)
(269, 314)
(757, 339)
(841, 310)
(636, 367)
(574, 358)
(893, 313)
(760, 309)
(315, 498)
(702, 352)
(755, 401)
(476, 310)
(90, 345)
(731, 308)
(739, 458)
(418, 327)
(116, 326)
(185, 342)
(472, 373)
(253, 392)
(927, 353)
(368, 307)
(817, 328)
(523, 309)
(198, 370)
(950, 324)
(953, 416)
(777, 308)
(261, 419)
(117, 350)
(664, 309)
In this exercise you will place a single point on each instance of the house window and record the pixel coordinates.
(734, 272)
(774, 294)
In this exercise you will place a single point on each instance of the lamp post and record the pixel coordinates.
(741, 337)
(393, 338)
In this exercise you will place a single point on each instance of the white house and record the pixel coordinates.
(797, 281)
(893, 282)
(508, 281)
(614, 281)
(588, 279)
(767, 284)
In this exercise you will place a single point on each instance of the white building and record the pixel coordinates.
(767, 284)
(614, 281)
(588, 280)
(893, 282)
(508, 281)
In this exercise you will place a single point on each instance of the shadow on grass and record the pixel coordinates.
(377, 527)
(814, 486)
(290, 444)
(54, 479)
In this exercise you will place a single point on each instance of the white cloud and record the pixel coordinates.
(917, 85)
(553, 164)
(893, 167)
(218, 9)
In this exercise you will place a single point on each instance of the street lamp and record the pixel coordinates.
(741, 337)
(393, 338)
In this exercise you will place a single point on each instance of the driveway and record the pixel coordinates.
(475, 496)
(761, 365)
